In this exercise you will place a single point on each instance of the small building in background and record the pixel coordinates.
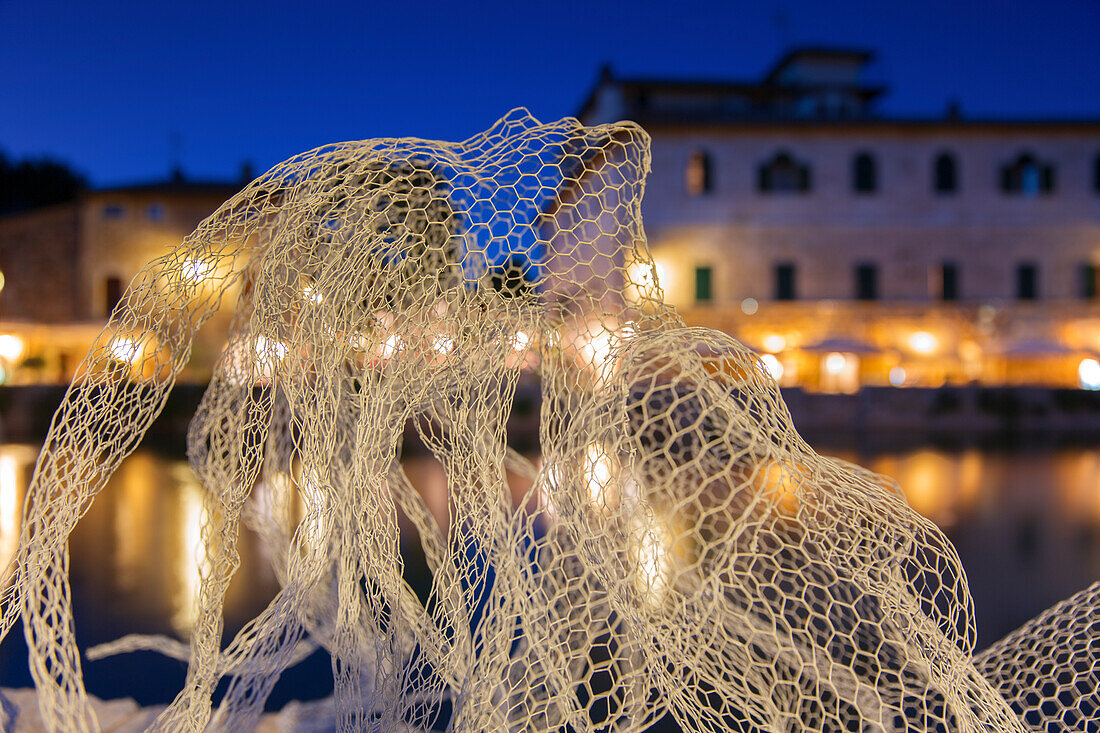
(66, 266)
(789, 212)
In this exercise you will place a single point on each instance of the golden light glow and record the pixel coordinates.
(197, 269)
(647, 277)
(652, 553)
(520, 341)
(312, 294)
(442, 344)
(11, 347)
(1088, 374)
(835, 362)
(192, 555)
(9, 506)
(268, 353)
(772, 366)
(599, 469)
(923, 342)
(774, 343)
(390, 346)
(124, 349)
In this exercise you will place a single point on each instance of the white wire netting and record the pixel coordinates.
(677, 550)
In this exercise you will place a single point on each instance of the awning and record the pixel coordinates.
(842, 345)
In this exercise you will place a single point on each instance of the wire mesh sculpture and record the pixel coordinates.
(680, 549)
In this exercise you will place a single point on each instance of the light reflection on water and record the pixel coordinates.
(1026, 524)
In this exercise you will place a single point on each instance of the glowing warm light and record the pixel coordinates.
(1, 280)
(922, 342)
(772, 366)
(897, 376)
(312, 295)
(124, 349)
(520, 341)
(9, 506)
(652, 553)
(647, 277)
(269, 349)
(599, 468)
(11, 347)
(598, 348)
(268, 352)
(835, 362)
(548, 488)
(197, 269)
(192, 556)
(390, 346)
(749, 306)
(773, 343)
(442, 344)
(1088, 374)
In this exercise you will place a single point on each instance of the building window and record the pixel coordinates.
(785, 287)
(1086, 281)
(1096, 173)
(948, 281)
(154, 212)
(864, 173)
(782, 174)
(114, 211)
(698, 176)
(703, 292)
(1027, 176)
(945, 176)
(1027, 281)
(866, 281)
(112, 294)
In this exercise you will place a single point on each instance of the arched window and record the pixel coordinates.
(864, 173)
(698, 178)
(782, 174)
(945, 175)
(1027, 176)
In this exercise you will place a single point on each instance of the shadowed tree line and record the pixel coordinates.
(33, 182)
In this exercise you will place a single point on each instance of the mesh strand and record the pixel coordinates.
(677, 550)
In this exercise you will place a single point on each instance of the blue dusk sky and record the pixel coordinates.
(120, 90)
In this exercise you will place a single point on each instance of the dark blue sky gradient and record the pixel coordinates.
(105, 85)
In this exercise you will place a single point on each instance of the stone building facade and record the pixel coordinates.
(66, 266)
(789, 208)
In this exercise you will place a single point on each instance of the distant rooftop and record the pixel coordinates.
(805, 83)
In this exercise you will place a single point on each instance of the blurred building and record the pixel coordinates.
(66, 266)
(863, 249)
